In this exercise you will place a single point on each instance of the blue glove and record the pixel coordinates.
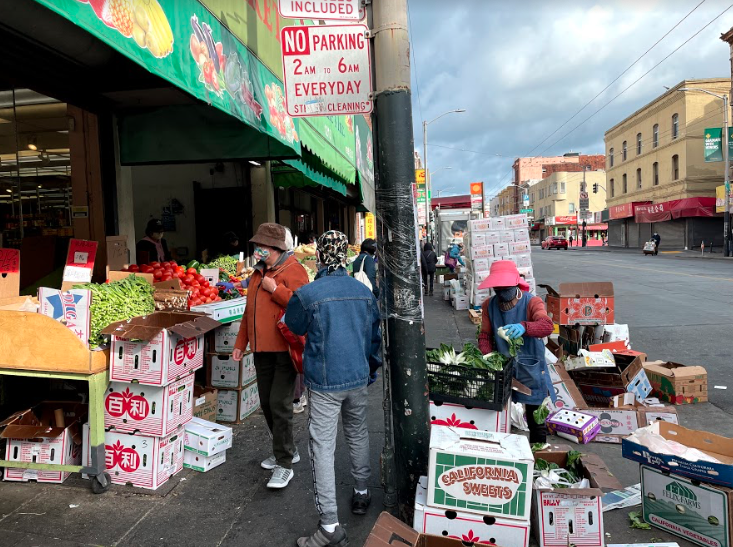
(225, 286)
(515, 330)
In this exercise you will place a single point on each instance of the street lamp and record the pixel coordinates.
(440, 192)
(726, 217)
(425, 125)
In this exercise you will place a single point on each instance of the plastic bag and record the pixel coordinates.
(519, 420)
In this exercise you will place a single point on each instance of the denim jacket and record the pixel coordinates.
(340, 319)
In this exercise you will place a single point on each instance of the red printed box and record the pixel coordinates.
(158, 349)
(148, 410)
(581, 303)
(454, 415)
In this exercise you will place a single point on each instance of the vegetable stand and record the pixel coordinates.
(33, 345)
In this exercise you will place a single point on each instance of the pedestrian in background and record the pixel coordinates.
(570, 239)
(453, 256)
(340, 318)
(153, 247)
(277, 276)
(657, 240)
(365, 262)
(428, 261)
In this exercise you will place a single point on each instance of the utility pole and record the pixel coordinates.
(727, 37)
(428, 205)
(398, 247)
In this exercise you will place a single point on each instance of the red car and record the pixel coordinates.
(555, 242)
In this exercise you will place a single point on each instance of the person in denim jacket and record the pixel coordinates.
(340, 318)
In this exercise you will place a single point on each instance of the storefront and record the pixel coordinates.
(570, 226)
(682, 223)
(623, 231)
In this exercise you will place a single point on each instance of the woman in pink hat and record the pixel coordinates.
(521, 314)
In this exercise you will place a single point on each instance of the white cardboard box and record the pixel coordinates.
(453, 415)
(558, 510)
(479, 225)
(501, 250)
(480, 472)
(523, 260)
(225, 337)
(225, 311)
(59, 450)
(237, 404)
(202, 464)
(481, 264)
(149, 410)
(484, 251)
(525, 272)
(70, 308)
(516, 221)
(460, 303)
(520, 248)
(492, 238)
(477, 240)
(521, 235)
(467, 527)
(206, 438)
(497, 223)
(228, 373)
(506, 236)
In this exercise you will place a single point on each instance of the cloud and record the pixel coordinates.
(521, 69)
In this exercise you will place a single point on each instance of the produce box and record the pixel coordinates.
(573, 425)
(225, 372)
(506, 236)
(600, 386)
(614, 333)
(68, 308)
(225, 337)
(9, 273)
(480, 472)
(700, 513)
(148, 410)
(205, 403)
(720, 448)
(581, 303)
(523, 260)
(614, 423)
(460, 303)
(481, 264)
(479, 225)
(206, 438)
(202, 464)
(237, 404)
(454, 415)
(481, 251)
(466, 527)
(34, 435)
(647, 416)
(563, 516)
(224, 311)
(514, 222)
(497, 223)
(388, 531)
(141, 460)
(501, 250)
(522, 247)
(677, 384)
(567, 393)
(158, 349)
(521, 235)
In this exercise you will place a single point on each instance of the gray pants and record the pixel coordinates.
(325, 407)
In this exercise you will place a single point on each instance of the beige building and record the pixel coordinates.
(658, 180)
(507, 199)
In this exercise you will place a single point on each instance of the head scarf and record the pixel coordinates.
(333, 247)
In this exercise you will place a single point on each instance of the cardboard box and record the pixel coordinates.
(700, 513)
(467, 527)
(600, 386)
(202, 464)
(523, 247)
(491, 238)
(141, 460)
(225, 372)
(118, 254)
(148, 410)
(481, 265)
(475, 239)
(649, 415)
(525, 271)
(460, 303)
(69, 308)
(497, 223)
(205, 403)
(9, 273)
(33, 436)
(479, 225)
(521, 235)
(514, 222)
(501, 250)
(206, 438)
(391, 532)
(237, 404)
(158, 349)
(588, 361)
(581, 303)
(480, 472)
(563, 516)
(506, 236)
(453, 415)
(614, 333)
(225, 337)
(614, 423)
(225, 311)
(567, 393)
(481, 251)
(716, 446)
(523, 260)
(677, 384)
(573, 425)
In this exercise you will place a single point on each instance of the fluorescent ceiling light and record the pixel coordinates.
(258, 164)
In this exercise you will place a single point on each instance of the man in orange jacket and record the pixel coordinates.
(277, 276)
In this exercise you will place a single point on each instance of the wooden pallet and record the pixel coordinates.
(475, 316)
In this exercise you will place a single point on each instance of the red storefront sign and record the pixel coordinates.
(678, 208)
(625, 210)
(565, 220)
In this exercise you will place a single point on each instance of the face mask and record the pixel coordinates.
(261, 254)
(506, 294)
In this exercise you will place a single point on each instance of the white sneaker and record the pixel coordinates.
(304, 400)
(271, 462)
(298, 407)
(280, 477)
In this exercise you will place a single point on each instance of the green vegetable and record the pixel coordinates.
(118, 301)
(573, 465)
(637, 521)
(542, 412)
(194, 264)
(536, 447)
(226, 264)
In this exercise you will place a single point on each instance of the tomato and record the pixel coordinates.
(166, 277)
(133, 268)
(181, 269)
(192, 271)
(158, 273)
(209, 301)
(195, 283)
(146, 269)
(154, 264)
(200, 278)
(188, 279)
(205, 283)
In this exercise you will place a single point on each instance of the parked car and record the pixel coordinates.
(555, 242)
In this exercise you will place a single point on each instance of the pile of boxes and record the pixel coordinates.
(205, 445)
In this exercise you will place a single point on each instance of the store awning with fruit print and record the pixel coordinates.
(183, 43)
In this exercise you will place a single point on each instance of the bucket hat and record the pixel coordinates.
(504, 273)
(271, 235)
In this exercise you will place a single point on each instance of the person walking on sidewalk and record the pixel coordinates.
(570, 239)
(521, 315)
(277, 276)
(428, 260)
(365, 262)
(657, 240)
(340, 318)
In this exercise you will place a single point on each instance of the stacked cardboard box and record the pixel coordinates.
(205, 445)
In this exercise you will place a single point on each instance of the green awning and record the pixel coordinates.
(301, 175)
(322, 155)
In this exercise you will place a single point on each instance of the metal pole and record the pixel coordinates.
(402, 298)
(726, 218)
(427, 178)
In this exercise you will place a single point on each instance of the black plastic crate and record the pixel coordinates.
(470, 386)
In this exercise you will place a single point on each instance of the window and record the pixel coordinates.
(571, 208)
(638, 144)
(655, 135)
(638, 179)
(625, 188)
(675, 167)
(610, 157)
(675, 125)
(613, 189)
(554, 188)
(655, 174)
(623, 151)
(562, 187)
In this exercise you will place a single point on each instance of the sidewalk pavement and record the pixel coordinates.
(673, 253)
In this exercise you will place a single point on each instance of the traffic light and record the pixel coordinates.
(595, 187)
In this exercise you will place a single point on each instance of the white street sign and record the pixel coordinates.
(342, 10)
(327, 70)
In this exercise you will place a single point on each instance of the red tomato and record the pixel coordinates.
(154, 264)
(205, 283)
(166, 277)
(192, 271)
(208, 300)
(133, 268)
(200, 278)
(195, 283)
(146, 269)
(158, 273)
(188, 279)
(181, 269)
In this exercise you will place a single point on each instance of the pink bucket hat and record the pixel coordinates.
(504, 273)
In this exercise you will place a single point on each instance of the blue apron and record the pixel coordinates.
(530, 367)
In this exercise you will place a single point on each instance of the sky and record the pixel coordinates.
(523, 68)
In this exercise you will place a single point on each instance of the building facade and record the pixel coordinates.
(658, 180)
